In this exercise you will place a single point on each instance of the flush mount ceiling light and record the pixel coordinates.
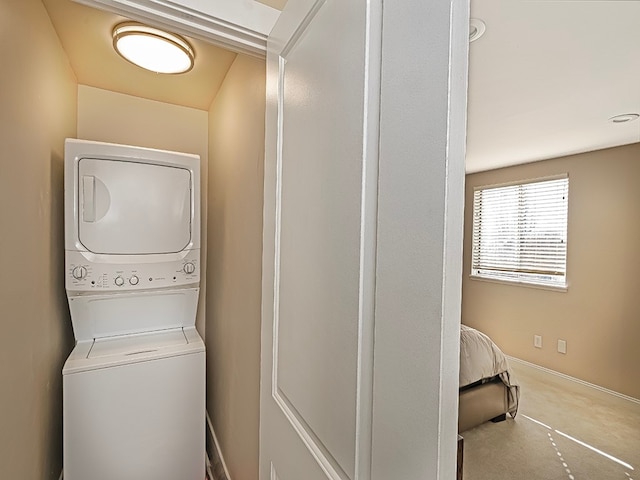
(476, 29)
(624, 118)
(153, 49)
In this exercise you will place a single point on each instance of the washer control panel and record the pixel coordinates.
(85, 276)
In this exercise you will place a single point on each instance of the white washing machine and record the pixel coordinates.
(134, 385)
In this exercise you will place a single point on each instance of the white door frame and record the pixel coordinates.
(349, 119)
(422, 148)
(422, 56)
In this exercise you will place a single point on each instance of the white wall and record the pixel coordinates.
(236, 150)
(38, 110)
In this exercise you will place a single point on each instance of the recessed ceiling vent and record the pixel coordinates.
(624, 118)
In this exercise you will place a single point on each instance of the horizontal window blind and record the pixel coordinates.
(520, 232)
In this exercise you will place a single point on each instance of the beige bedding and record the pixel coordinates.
(481, 359)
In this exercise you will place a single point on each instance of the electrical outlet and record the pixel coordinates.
(537, 341)
(562, 346)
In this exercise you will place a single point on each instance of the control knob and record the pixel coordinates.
(134, 280)
(119, 281)
(79, 273)
(189, 268)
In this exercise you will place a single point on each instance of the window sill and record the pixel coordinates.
(520, 283)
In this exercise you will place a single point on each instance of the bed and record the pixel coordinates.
(488, 390)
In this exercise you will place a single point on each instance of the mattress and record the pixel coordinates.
(481, 361)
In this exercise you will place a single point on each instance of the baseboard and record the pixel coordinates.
(218, 470)
(576, 380)
(207, 467)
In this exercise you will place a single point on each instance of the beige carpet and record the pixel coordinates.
(563, 431)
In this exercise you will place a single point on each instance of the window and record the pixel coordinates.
(520, 232)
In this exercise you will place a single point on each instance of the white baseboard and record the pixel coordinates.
(216, 445)
(576, 380)
(208, 467)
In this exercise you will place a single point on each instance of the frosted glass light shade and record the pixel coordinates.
(153, 49)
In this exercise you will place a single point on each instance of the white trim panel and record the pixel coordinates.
(238, 25)
(216, 445)
(367, 244)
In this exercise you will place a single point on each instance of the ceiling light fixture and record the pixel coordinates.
(153, 49)
(476, 29)
(624, 118)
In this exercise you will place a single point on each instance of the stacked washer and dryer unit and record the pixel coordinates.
(134, 385)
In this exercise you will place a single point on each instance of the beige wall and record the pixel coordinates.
(107, 116)
(236, 152)
(38, 110)
(599, 315)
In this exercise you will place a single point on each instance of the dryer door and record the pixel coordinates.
(128, 207)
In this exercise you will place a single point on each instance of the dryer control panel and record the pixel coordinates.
(86, 276)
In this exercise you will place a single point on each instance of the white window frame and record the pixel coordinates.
(519, 232)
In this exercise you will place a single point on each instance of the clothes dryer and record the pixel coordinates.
(133, 386)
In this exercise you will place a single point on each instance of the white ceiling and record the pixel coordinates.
(546, 77)
(543, 80)
(279, 4)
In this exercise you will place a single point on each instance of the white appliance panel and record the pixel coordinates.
(99, 316)
(129, 345)
(128, 208)
(140, 421)
(86, 151)
(85, 276)
(115, 353)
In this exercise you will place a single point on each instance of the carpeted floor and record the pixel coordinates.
(563, 431)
